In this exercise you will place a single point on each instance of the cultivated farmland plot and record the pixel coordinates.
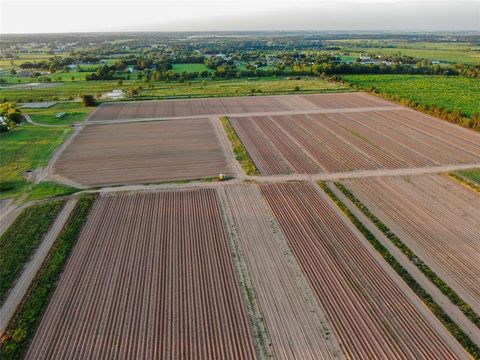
(137, 153)
(233, 105)
(297, 325)
(342, 142)
(372, 312)
(151, 277)
(437, 218)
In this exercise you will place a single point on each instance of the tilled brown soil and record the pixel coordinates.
(142, 153)
(342, 142)
(297, 326)
(436, 217)
(151, 277)
(345, 100)
(374, 314)
(233, 105)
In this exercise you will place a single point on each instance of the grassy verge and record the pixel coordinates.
(74, 112)
(28, 147)
(469, 178)
(22, 328)
(239, 150)
(47, 189)
(436, 309)
(425, 269)
(22, 238)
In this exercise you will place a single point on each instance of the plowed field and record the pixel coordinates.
(295, 321)
(151, 277)
(138, 153)
(341, 142)
(233, 105)
(436, 217)
(374, 314)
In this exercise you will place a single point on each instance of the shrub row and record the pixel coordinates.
(436, 309)
(22, 328)
(239, 150)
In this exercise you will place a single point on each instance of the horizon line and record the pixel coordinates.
(249, 31)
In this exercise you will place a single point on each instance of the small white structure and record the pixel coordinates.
(114, 94)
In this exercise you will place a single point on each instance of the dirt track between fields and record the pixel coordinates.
(284, 178)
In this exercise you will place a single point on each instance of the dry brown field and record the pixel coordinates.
(233, 105)
(139, 153)
(437, 218)
(342, 142)
(151, 277)
(372, 311)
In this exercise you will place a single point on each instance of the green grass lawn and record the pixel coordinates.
(448, 92)
(75, 112)
(189, 68)
(349, 58)
(21, 238)
(162, 89)
(67, 76)
(13, 79)
(29, 147)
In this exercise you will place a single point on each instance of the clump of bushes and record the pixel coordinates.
(10, 116)
(88, 100)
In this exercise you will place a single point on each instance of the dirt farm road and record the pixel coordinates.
(294, 177)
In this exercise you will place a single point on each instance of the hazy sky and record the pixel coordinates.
(38, 16)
